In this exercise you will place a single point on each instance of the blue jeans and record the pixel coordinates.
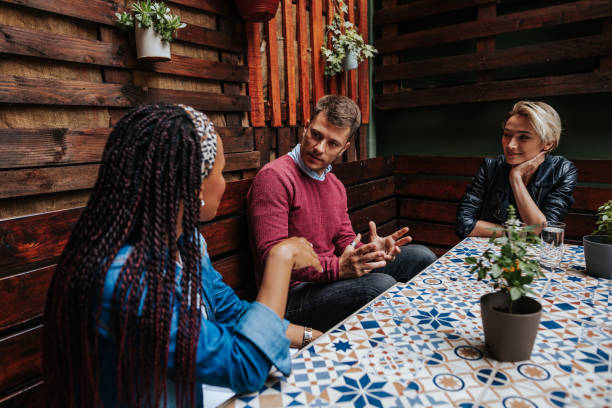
(323, 305)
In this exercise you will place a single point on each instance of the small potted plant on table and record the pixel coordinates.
(598, 246)
(510, 319)
(347, 48)
(154, 27)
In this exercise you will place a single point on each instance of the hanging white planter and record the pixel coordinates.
(150, 46)
(350, 61)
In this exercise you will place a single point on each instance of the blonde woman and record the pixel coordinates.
(538, 184)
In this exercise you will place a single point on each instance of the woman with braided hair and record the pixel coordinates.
(136, 315)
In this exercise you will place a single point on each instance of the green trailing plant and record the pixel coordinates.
(513, 269)
(147, 13)
(344, 38)
(604, 220)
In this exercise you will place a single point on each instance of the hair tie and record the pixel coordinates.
(208, 138)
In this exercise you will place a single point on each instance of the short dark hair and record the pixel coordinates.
(341, 111)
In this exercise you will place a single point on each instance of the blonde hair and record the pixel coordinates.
(542, 118)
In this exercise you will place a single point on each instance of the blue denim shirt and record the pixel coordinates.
(238, 340)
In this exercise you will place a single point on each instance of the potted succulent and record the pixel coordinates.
(257, 10)
(154, 27)
(598, 246)
(510, 319)
(347, 48)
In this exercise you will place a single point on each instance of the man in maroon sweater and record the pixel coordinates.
(296, 195)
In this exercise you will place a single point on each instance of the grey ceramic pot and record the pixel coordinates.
(350, 61)
(598, 255)
(510, 336)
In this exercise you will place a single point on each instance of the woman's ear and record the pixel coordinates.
(547, 147)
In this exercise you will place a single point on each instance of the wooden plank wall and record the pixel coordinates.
(439, 53)
(67, 75)
(286, 75)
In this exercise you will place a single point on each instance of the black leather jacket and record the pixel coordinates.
(489, 194)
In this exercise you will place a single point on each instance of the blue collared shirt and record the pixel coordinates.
(238, 340)
(297, 158)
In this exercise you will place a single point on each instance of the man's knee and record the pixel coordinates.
(418, 255)
(372, 285)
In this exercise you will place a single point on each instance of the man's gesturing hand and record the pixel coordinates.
(357, 262)
(390, 244)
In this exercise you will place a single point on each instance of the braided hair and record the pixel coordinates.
(151, 162)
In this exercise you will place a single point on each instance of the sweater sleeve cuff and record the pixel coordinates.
(264, 329)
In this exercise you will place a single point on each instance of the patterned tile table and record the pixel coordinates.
(422, 344)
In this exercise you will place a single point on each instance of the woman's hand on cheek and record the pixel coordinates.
(525, 170)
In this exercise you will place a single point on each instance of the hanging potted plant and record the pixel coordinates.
(510, 319)
(257, 10)
(347, 48)
(154, 27)
(598, 246)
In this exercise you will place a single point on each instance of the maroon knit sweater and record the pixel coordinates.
(284, 202)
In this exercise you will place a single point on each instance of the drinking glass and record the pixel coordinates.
(551, 247)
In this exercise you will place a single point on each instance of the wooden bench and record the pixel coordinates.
(31, 245)
(429, 189)
(420, 192)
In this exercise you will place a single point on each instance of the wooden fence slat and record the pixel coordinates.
(380, 213)
(19, 41)
(289, 51)
(594, 171)
(427, 210)
(98, 11)
(316, 35)
(422, 8)
(364, 70)
(442, 189)
(605, 63)
(20, 358)
(31, 395)
(35, 239)
(231, 229)
(358, 171)
(199, 68)
(103, 12)
(430, 233)
(389, 32)
(370, 192)
(273, 74)
(332, 82)
(500, 90)
(221, 7)
(303, 42)
(284, 141)
(255, 79)
(43, 147)
(21, 148)
(352, 74)
(363, 142)
(575, 48)
(590, 198)
(23, 296)
(543, 17)
(436, 165)
(15, 89)
(486, 45)
(23, 182)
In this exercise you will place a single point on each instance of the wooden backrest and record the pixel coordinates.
(31, 245)
(430, 188)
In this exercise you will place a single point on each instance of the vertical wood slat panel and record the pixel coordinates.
(390, 31)
(363, 142)
(303, 60)
(258, 118)
(486, 45)
(352, 74)
(364, 73)
(332, 82)
(316, 35)
(289, 51)
(273, 75)
(605, 63)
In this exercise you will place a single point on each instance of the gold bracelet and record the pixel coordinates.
(307, 339)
